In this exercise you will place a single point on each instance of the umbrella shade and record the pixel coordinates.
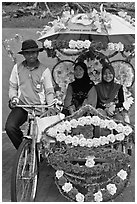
(77, 29)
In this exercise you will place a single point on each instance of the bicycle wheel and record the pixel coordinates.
(62, 72)
(24, 176)
(124, 72)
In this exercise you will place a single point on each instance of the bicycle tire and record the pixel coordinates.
(25, 179)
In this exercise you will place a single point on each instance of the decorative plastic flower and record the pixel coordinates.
(120, 136)
(110, 46)
(75, 141)
(102, 123)
(119, 128)
(60, 137)
(59, 173)
(74, 123)
(60, 128)
(67, 187)
(111, 137)
(111, 124)
(90, 161)
(104, 140)
(128, 102)
(90, 143)
(88, 120)
(86, 44)
(82, 121)
(80, 197)
(79, 44)
(96, 142)
(67, 126)
(72, 44)
(68, 139)
(122, 174)
(48, 44)
(95, 120)
(112, 188)
(127, 130)
(98, 196)
(82, 142)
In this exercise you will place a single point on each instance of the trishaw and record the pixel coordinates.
(89, 167)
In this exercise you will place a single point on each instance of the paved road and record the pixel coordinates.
(47, 190)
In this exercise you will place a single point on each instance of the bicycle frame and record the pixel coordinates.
(33, 129)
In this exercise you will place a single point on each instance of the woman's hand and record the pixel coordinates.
(72, 109)
(111, 109)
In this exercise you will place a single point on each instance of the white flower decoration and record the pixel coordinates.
(90, 143)
(80, 197)
(88, 120)
(86, 44)
(80, 136)
(127, 130)
(68, 139)
(112, 188)
(111, 137)
(75, 141)
(82, 142)
(96, 120)
(59, 173)
(96, 142)
(110, 46)
(67, 187)
(67, 126)
(104, 140)
(74, 123)
(79, 44)
(48, 44)
(122, 174)
(111, 125)
(102, 123)
(90, 161)
(60, 137)
(119, 128)
(98, 196)
(120, 136)
(72, 44)
(60, 128)
(82, 121)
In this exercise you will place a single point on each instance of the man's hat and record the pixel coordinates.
(30, 46)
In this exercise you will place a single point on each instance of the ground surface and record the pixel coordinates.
(27, 27)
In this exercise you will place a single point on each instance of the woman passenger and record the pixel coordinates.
(81, 91)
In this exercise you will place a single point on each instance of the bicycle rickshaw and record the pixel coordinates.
(88, 168)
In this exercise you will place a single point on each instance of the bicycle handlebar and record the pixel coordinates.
(55, 101)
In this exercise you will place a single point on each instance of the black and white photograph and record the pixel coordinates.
(68, 101)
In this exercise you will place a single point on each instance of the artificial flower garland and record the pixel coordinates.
(128, 18)
(63, 131)
(85, 166)
(79, 44)
(112, 189)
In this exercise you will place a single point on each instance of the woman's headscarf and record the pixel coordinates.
(107, 90)
(84, 84)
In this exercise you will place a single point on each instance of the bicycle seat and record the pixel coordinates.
(44, 122)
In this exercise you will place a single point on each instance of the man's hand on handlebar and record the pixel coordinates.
(13, 102)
